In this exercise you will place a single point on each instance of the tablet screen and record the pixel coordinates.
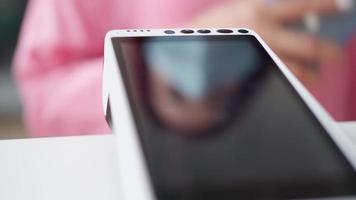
(218, 120)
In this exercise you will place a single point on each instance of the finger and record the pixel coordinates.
(292, 44)
(293, 10)
(302, 46)
(305, 74)
(295, 68)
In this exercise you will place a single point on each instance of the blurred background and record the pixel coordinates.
(11, 13)
(76, 64)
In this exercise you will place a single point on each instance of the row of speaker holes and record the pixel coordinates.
(189, 31)
(138, 30)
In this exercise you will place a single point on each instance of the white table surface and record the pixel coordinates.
(78, 168)
(66, 168)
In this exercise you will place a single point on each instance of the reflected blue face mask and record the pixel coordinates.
(196, 69)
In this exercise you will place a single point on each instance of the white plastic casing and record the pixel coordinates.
(135, 180)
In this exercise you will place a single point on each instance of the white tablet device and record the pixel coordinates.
(214, 114)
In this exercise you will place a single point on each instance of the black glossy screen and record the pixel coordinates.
(218, 120)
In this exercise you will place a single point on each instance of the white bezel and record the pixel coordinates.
(134, 175)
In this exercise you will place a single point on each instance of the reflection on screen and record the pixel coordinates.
(218, 120)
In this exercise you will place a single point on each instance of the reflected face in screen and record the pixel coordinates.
(193, 84)
(218, 120)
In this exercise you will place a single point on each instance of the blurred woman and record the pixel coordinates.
(58, 62)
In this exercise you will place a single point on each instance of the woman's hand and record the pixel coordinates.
(300, 51)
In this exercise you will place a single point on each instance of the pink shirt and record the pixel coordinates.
(58, 62)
